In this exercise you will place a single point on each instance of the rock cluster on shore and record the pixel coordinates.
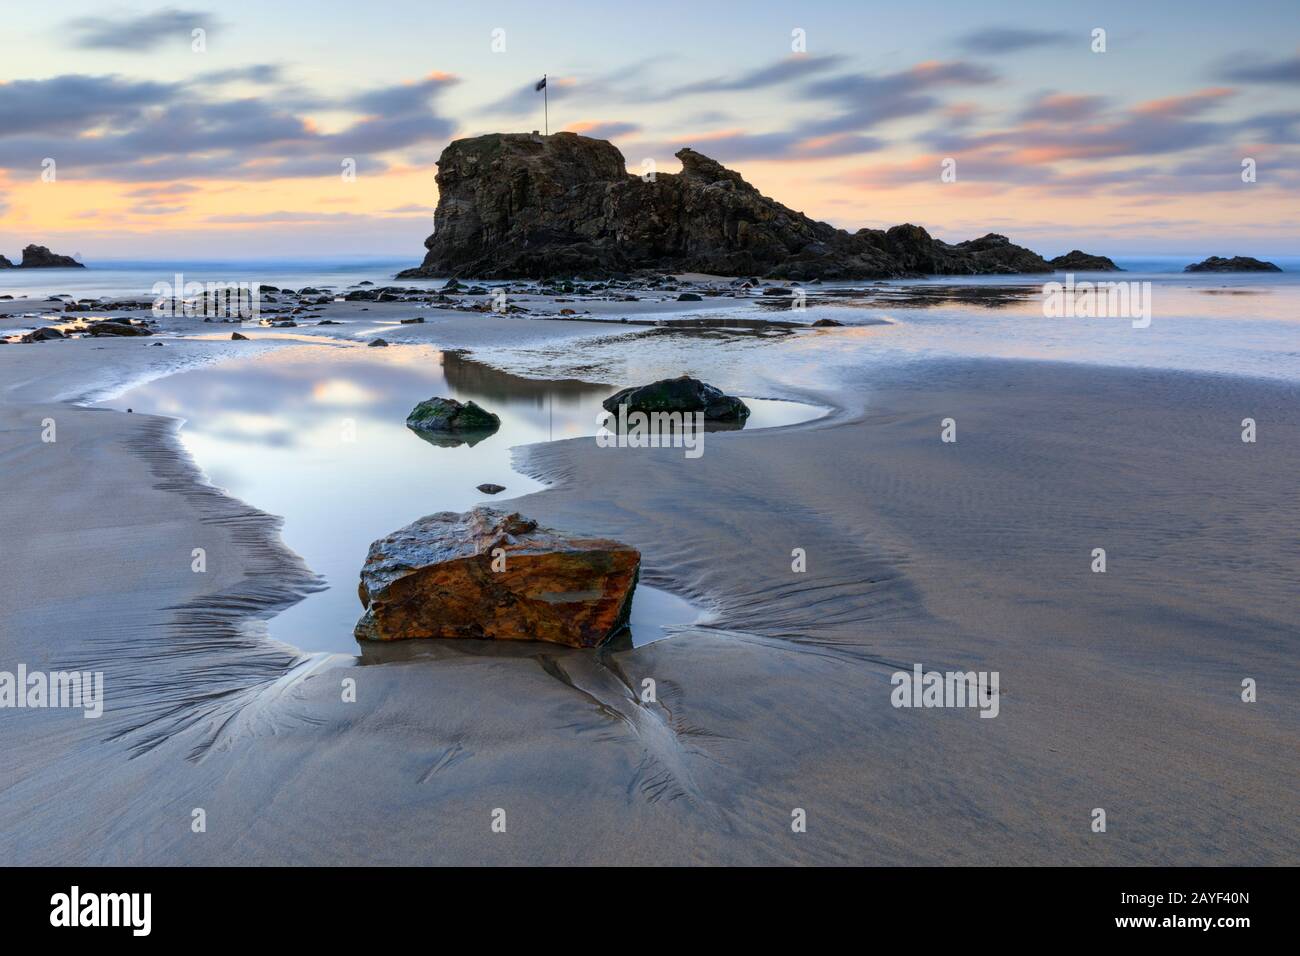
(39, 257)
(491, 575)
(519, 205)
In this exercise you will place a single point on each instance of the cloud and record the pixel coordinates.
(783, 71)
(166, 189)
(632, 83)
(405, 98)
(992, 40)
(75, 103)
(737, 145)
(110, 128)
(291, 216)
(1062, 107)
(1251, 68)
(527, 100)
(158, 210)
(864, 100)
(869, 99)
(604, 130)
(261, 73)
(142, 32)
(1190, 104)
(1151, 128)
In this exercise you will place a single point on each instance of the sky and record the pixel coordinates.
(124, 135)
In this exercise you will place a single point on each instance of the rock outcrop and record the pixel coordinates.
(1078, 261)
(491, 575)
(448, 423)
(1235, 264)
(5, 263)
(39, 257)
(448, 415)
(684, 394)
(514, 205)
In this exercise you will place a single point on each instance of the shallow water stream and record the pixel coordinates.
(317, 435)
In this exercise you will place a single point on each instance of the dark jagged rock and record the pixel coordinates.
(490, 575)
(39, 257)
(42, 335)
(237, 337)
(517, 205)
(1235, 264)
(5, 263)
(123, 328)
(446, 415)
(376, 344)
(490, 489)
(1078, 261)
(684, 394)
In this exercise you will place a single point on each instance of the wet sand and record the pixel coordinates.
(1119, 690)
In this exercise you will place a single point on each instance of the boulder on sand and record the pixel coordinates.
(43, 334)
(122, 327)
(684, 394)
(494, 575)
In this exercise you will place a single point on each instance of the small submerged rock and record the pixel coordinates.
(684, 394)
(490, 489)
(493, 575)
(376, 343)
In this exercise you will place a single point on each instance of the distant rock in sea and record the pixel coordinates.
(515, 205)
(1079, 261)
(39, 257)
(1235, 264)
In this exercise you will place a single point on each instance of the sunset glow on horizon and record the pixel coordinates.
(842, 111)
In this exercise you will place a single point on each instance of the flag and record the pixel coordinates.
(541, 85)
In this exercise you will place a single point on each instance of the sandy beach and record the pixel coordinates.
(1119, 690)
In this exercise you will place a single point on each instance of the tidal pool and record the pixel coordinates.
(316, 434)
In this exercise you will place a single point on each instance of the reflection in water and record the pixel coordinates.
(318, 436)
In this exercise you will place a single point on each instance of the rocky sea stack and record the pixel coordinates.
(1235, 264)
(39, 257)
(1078, 261)
(518, 205)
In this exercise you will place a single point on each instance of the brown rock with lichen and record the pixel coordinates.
(443, 577)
